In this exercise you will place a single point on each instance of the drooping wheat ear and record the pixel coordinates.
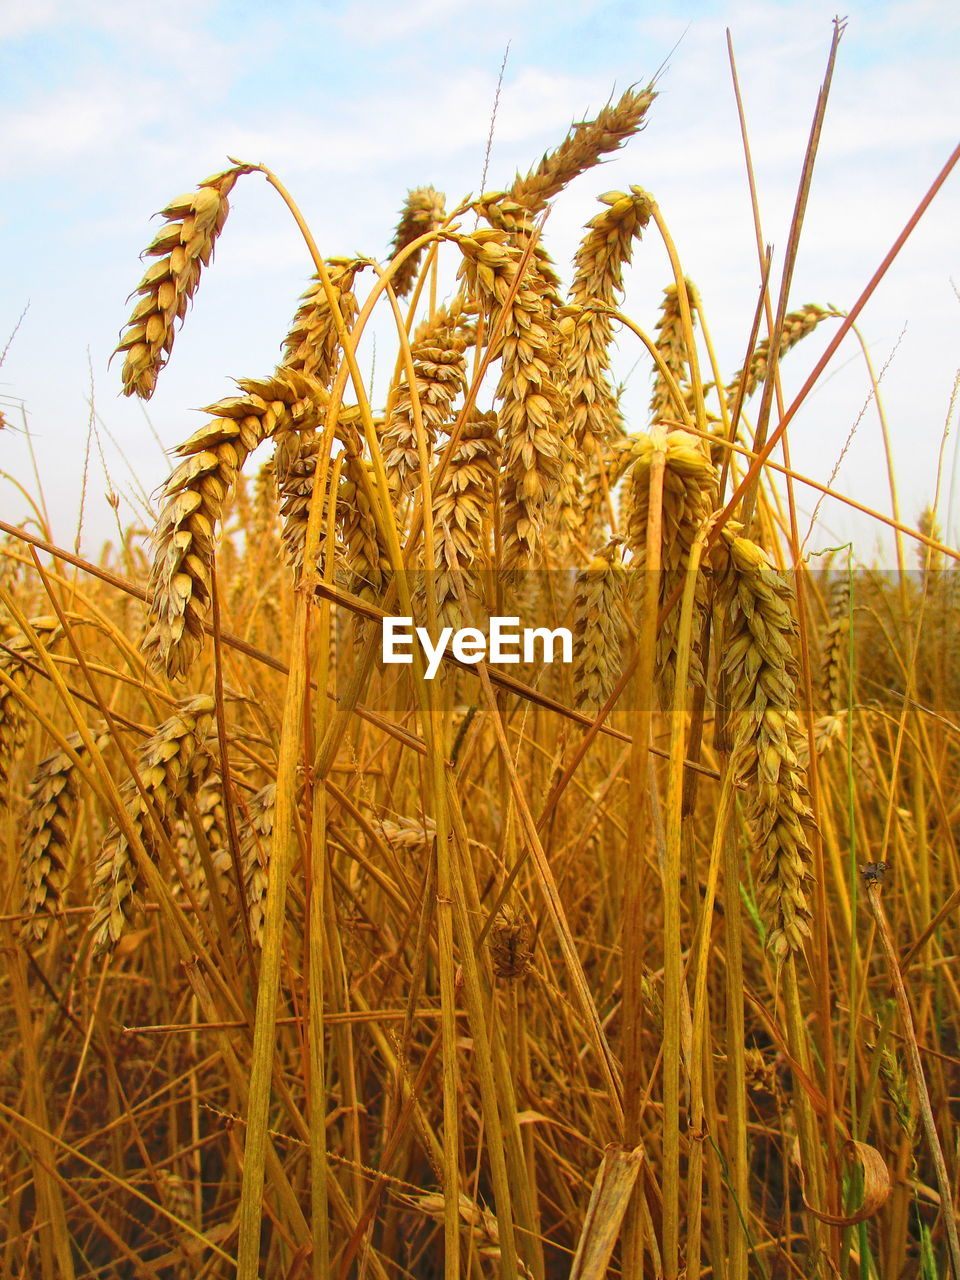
(312, 346)
(52, 803)
(366, 557)
(296, 489)
(16, 655)
(756, 659)
(182, 248)
(597, 627)
(410, 834)
(586, 328)
(255, 841)
(511, 943)
(584, 146)
(796, 325)
(211, 814)
(835, 648)
(193, 501)
(167, 764)
(439, 367)
(672, 346)
(460, 506)
(423, 211)
(689, 496)
(529, 390)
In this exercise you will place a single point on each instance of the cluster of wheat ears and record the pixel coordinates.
(312, 967)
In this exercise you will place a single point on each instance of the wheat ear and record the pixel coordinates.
(255, 841)
(759, 670)
(312, 345)
(796, 325)
(584, 146)
(423, 211)
(439, 367)
(529, 389)
(52, 803)
(672, 347)
(166, 767)
(689, 496)
(182, 248)
(460, 505)
(586, 327)
(193, 499)
(597, 628)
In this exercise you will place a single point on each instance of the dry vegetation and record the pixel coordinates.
(311, 967)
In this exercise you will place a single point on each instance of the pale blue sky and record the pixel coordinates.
(107, 110)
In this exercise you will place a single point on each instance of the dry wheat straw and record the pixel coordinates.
(182, 248)
(796, 325)
(597, 628)
(422, 212)
(439, 367)
(167, 765)
(758, 665)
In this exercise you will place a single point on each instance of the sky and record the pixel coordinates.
(108, 110)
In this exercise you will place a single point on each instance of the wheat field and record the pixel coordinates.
(640, 965)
